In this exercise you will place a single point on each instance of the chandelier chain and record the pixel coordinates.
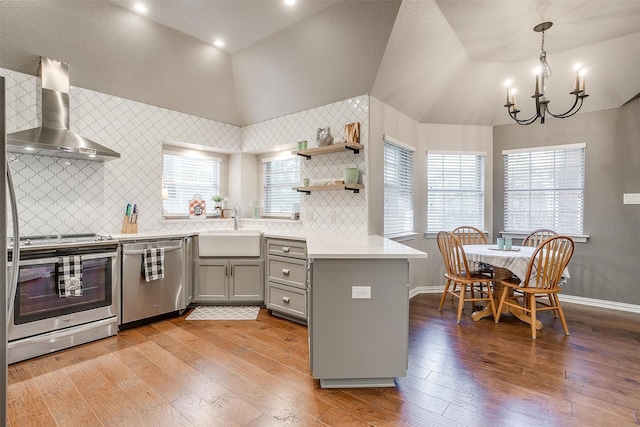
(544, 65)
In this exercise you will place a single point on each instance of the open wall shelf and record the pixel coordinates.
(349, 187)
(333, 148)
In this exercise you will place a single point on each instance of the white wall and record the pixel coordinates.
(423, 273)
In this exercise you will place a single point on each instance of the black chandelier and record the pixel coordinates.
(542, 103)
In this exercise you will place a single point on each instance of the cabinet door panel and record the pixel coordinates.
(247, 281)
(211, 281)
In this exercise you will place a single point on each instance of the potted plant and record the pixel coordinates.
(217, 201)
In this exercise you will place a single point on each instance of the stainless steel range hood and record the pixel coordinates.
(54, 138)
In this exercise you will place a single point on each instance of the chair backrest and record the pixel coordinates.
(468, 235)
(548, 262)
(455, 260)
(538, 236)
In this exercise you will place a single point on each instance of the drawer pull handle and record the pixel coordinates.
(286, 249)
(285, 271)
(286, 300)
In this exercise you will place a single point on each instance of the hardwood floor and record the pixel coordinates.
(256, 373)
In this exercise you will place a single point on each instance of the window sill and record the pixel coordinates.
(272, 219)
(434, 234)
(402, 237)
(522, 234)
(179, 218)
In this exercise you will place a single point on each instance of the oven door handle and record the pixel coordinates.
(141, 251)
(50, 260)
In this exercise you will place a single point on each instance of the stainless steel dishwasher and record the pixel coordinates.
(142, 300)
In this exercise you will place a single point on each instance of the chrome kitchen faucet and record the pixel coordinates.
(235, 217)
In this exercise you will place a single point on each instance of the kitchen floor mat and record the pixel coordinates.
(208, 312)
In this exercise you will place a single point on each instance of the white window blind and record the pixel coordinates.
(544, 188)
(279, 176)
(398, 189)
(455, 190)
(184, 176)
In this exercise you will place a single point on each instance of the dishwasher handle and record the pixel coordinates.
(140, 252)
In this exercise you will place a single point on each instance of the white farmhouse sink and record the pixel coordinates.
(229, 243)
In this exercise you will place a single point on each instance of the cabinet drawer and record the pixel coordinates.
(287, 248)
(287, 271)
(291, 301)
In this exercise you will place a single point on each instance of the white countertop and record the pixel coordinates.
(371, 246)
(319, 245)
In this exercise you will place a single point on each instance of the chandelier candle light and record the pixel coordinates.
(542, 103)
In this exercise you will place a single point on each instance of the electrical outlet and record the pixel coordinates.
(631, 199)
(310, 215)
(334, 217)
(361, 292)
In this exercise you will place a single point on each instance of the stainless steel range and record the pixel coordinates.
(44, 319)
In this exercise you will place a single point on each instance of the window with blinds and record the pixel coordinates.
(398, 188)
(184, 175)
(455, 190)
(544, 188)
(279, 176)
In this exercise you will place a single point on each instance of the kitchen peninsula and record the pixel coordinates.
(358, 306)
(359, 310)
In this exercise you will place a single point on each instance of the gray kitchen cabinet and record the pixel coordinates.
(222, 280)
(359, 339)
(287, 279)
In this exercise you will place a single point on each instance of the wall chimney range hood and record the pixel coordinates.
(54, 138)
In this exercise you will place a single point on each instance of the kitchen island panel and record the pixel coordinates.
(359, 342)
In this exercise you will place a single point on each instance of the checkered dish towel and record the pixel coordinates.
(69, 276)
(153, 264)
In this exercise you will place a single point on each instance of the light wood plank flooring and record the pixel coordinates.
(255, 373)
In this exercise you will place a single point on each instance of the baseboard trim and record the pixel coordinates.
(425, 290)
(572, 299)
(593, 302)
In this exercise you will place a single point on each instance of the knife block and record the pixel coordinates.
(127, 227)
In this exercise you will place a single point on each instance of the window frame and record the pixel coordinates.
(481, 190)
(559, 191)
(272, 158)
(408, 231)
(189, 151)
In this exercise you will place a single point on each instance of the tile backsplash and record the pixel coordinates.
(76, 196)
(323, 211)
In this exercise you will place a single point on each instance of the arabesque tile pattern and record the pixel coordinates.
(76, 196)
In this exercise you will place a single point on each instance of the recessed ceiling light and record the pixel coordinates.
(289, 2)
(218, 43)
(139, 7)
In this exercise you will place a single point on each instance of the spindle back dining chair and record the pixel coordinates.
(458, 273)
(543, 277)
(538, 236)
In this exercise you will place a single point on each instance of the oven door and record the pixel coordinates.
(38, 307)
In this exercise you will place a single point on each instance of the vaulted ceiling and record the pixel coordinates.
(438, 61)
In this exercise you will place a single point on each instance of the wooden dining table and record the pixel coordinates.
(506, 263)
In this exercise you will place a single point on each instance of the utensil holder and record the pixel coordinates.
(128, 227)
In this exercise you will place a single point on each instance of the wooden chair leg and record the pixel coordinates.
(499, 310)
(554, 303)
(444, 294)
(562, 318)
(491, 302)
(463, 292)
(532, 306)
